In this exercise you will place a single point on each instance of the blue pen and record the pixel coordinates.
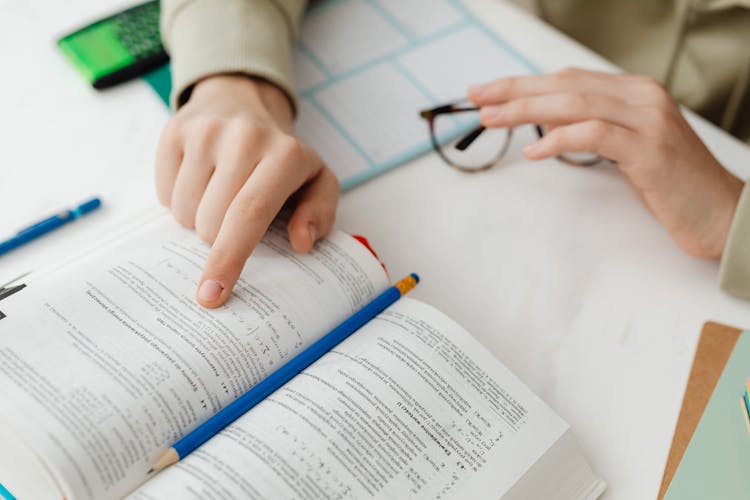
(47, 225)
(259, 392)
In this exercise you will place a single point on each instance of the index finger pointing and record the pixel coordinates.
(247, 219)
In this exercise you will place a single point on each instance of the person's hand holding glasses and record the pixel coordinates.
(463, 143)
(583, 117)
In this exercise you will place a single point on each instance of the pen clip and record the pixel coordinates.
(14, 280)
(7, 292)
(8, 289)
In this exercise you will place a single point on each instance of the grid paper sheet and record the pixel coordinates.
(364, 69)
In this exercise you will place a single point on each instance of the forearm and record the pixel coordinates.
(208, 37)
(735, 263)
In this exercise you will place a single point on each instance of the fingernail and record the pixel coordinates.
(313, 233)
(532, 149)
(476, 90)
(491, 112)
(210, 290)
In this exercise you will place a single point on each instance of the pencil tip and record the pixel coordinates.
(150, 471)
(168, 458)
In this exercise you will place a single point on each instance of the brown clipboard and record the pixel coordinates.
(715, 345)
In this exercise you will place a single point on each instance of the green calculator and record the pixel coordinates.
(117, 48)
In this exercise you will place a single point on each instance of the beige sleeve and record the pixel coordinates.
(735, 264)
(206, 37)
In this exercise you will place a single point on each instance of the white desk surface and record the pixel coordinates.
(559, 271)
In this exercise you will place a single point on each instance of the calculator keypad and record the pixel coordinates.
(138, 30)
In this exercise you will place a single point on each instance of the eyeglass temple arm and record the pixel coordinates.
(469, 138)
(429, 114)
(466, 141)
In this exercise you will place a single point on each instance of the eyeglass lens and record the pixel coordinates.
(465, 144)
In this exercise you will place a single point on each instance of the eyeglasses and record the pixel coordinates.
(462, 143)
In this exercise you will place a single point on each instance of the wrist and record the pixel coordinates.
(713, 218)
(247, 91)
(732, 191)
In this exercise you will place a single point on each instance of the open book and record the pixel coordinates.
(108, 360)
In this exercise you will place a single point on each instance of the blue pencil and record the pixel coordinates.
(47, 225)
(259, 392)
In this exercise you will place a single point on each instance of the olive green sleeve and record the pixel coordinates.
(735, 264)
(207, 37)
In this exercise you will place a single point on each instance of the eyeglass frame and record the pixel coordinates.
(472, 135)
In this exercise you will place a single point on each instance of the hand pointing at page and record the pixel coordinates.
(227, 162)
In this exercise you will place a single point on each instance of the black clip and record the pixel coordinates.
(8, 289)
(6, 292)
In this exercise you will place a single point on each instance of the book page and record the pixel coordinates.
(409, 406)
(110, 360)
